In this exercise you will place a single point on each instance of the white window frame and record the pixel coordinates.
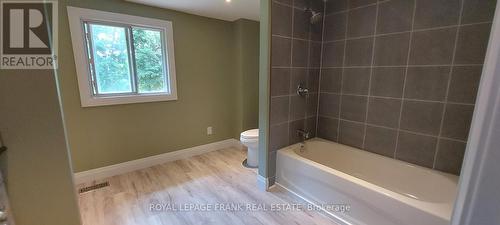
(77, 18)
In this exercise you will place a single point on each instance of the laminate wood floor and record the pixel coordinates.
(204, 189)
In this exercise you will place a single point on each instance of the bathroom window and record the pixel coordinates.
(122, 59)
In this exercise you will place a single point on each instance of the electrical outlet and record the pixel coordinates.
(209, 131)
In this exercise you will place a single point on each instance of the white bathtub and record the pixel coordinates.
(379, 190)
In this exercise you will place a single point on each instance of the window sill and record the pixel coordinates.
(93, 101)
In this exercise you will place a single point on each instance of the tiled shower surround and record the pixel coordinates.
(295, 59)
(398, 77)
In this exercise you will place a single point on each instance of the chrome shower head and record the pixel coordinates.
(316, 17)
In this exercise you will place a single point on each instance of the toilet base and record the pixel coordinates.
(245, 164)
(253, 156)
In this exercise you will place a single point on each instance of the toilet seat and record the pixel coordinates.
(250, 134)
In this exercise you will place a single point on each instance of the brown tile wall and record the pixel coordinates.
(394, 77)
(295, 59)
(399, 77)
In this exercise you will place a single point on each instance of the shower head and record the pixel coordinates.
(316, 17)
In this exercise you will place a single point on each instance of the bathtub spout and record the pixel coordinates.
(303, 134)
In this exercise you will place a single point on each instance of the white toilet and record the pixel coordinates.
(250, 139)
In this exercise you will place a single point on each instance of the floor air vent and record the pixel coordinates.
(93, 187)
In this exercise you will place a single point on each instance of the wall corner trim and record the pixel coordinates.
(125, 167)
(263, 183)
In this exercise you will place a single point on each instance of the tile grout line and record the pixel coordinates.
(291, 95)
(436, 150)
(358, 7)
(393, 129)
(404, 80)
(308, 74)
(290, 84)
(403, 66)
(361, 67)
(394, 98)
(342, 74)
(321, 68)
(370, 76)
(293, 120)
(293, 38)
(292, 67)
(410, 31)
(291, 6)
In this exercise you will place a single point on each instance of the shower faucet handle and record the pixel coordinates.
(3, 148)
(302, 91)
(302, 133)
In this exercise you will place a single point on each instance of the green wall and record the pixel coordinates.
(246, 36)
(214, 89)
(264, 84)
(36, 166)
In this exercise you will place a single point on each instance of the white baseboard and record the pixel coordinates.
(121, 168)
(263, 183)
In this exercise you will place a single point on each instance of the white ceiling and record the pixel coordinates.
(219, 9)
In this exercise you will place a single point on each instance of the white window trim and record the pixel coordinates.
(76, 18)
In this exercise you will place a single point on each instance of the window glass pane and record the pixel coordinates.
(149, 60)
(111, 59)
